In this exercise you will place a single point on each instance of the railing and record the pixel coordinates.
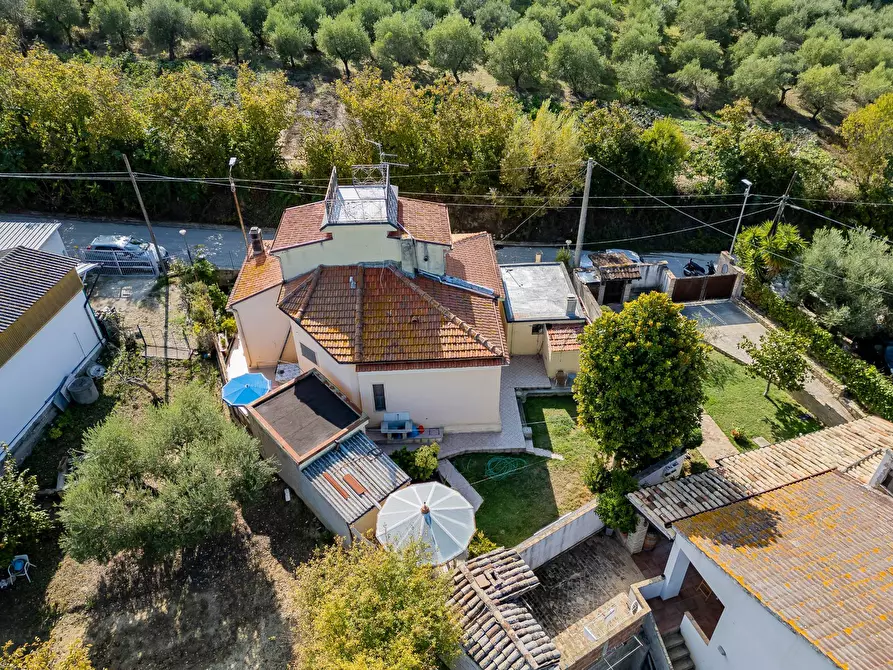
(122, 262)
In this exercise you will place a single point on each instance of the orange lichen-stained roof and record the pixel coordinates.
(258, 274)
(385, 317)
(301, 225)
(564, 336)
(425, 221)
(817, 553)
(473, 259)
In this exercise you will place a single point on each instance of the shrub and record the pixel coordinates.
(480, 544)
(613, 508)
(40, 656)
(596, 476)
(419, 464)
(22, 520)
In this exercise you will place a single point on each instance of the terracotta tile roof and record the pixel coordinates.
(761, 470)
(257, 275)
(425, 221)
(431, 365)
(473, 259)
(818, 554)
(500, 633)
(389, 318)
(613, 266)
(300, 225)
(863, 469)
(564, 336)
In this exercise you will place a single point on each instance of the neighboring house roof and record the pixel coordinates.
(564, 336)
(306, 415)
(473, 259)
(425, 221)
(865, 468)
(389, 318)
(538, 292)
(499, 632)
(26, 275)
(32, 234)
(615, 266)
(258, 274)
(754, 472)
(354, 475)
(818, 554)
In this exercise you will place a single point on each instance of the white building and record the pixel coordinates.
(374, 291)
(47, 332)
(785, 551)
(42, 235)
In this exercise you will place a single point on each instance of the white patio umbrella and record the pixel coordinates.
(436, 515)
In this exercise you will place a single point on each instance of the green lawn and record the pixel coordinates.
(540, 490)
(738, 402)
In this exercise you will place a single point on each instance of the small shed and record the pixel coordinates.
(616, 273)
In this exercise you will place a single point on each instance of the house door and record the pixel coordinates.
(613, 292)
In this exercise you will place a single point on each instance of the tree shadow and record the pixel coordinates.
(754, 526)
(790, 420)
(212, 605)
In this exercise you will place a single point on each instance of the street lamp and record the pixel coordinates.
(747, 185)
(232, 187)
(186, 242)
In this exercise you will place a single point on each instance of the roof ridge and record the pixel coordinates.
(358, 327)
(314, 280)
(447, 314)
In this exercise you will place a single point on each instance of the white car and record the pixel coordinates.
(132, 247)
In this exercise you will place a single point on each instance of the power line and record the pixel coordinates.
(570, 184)
(831, 274)
(846, 202)
(845, 225)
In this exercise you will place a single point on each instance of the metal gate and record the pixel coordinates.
(719, 287)
(688, 289)
(121, 262)
(713, 287)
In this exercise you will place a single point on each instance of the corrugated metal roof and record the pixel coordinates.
(359, 456)
(26, 275)
(25, 233)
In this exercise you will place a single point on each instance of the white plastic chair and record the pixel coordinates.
(19, 567)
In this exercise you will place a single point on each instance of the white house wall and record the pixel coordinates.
(522, 340)
(343, 375)
(54, 244)
(751, 636)
(31, 377)
(263, 328)
(569, 361)
(349, 245)
(456, 399)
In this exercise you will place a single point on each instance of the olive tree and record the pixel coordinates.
(399, 38)
(573, 58)
(780, 359)
(112, 18)
(516, 53)
(167, 22)
(636, 75)
(343, 38)
(699, 82)
(820, 87)
(290, 42)
(454, 45)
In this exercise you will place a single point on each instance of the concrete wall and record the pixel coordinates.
(456, 399)
(263, 328)
(436, 253)
(291, 474)
(54, 245)
(569, 361)
(522, 341)
(653, 276)
(751, 635)
(30, 379)
(560, 535)
(349, 244)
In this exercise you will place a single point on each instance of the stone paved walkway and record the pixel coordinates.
(715, 445)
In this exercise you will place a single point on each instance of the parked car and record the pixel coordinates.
(131, 247)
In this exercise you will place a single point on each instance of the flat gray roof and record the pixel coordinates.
(31, 234)
(538, 292)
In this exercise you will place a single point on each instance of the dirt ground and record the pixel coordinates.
(227, 604)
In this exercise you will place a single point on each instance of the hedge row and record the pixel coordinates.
(868, 385)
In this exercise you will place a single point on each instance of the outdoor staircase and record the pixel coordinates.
(678, 652)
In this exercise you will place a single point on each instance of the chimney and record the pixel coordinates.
(539, 257)
(353, 284)
(571, 305)
(256, 239)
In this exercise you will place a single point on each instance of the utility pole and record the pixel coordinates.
(747, 185)
(581, 229)
(161, 267)
(232, 187)
(781, 205)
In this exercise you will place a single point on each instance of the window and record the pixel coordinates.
(536, 329)
(308, 353)
(378, 397)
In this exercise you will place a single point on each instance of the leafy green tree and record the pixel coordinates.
(169, 481)
(467, 8)
(254, 15)
(868, 134)
(549, 19)
(22, 519)
(862, 55)
(494, 16)
(60, 16)
(400, 38)
(780, 359)
(707, 53)
(613, 507)
(751, 45)
(454, 45)
(290, 42)
(227, 34)
(640, 387)
(792, 28)
(821, 51)
(516, 53)
(112, 18)
(664, 149)
(713, 18)
(849, 278)
(873, 84)
(369, 12)
(574, 59)
(821, 87)
(764, 254)
(437, 8)
(765, 14)
(758, 79)
(636, 37)
(17, 13)
(306, 12)
(636, 75)
(370, 607)
(343, 38)
(420, 463)
(167, 23)
(39, 655)
(700, 83)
